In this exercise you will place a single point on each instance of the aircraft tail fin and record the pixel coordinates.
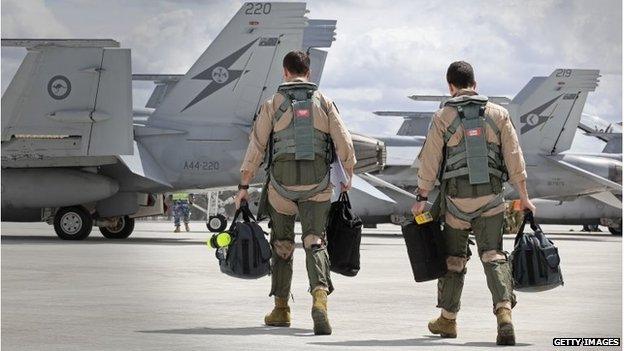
(240, 68)
(69, 98)
(547, 111)
(414, 123)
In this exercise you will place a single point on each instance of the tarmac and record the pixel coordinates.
(160, 290)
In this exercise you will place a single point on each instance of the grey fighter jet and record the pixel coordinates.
(74, 155)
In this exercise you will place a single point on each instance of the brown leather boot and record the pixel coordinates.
(319, 313)
(186, 226)
(505, 328)
(280, 316)
(177, 229)
(447, 328)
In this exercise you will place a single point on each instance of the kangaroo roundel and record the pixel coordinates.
(59, 87)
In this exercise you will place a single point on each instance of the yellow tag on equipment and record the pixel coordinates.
(423, 218)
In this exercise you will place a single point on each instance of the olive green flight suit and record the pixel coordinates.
(312, 210)
(505, 157)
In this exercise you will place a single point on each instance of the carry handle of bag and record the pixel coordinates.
(344, 197)
(528, 217)
(245, 211)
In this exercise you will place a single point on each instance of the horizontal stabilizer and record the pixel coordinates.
(501, 100)
(164, 84)
(319, 34)
(73, 43)
(405, 114)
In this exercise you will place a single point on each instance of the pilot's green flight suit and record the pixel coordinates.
(472, 149)
(297, 130)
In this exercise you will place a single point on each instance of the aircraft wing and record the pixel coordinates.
(360, 184)
(612, 186)
(142, 164)
(608, 198)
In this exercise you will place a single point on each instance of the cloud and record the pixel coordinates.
(382, 54)
(30, 19)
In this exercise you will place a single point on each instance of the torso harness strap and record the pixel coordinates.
(300, 141)
(474, 167)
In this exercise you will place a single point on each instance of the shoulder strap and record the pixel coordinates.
(283, 107)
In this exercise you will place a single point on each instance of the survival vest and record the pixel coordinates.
(474, 167)
(299, 154)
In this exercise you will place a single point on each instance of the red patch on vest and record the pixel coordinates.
(302, 113)
(474, 132)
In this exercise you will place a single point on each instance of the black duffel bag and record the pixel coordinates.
(344, 233)
(249, 253)
(535, 260)
(425, 250)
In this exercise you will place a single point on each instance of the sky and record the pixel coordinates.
(384, 51)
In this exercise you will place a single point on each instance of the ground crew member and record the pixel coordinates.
(297, 130)
(181, 210)
(472, 149)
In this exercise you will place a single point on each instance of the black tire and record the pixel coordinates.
(126, 226)
(216, 223)
(616, 231)
(73, 223)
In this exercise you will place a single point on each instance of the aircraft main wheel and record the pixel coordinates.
(73, 223)
(616, 231)
(125, 226)
(216, 223)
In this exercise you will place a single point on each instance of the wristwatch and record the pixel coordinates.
(421, 198)
(243, 187)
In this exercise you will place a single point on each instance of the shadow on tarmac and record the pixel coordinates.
(242, 331)
(54, 240)
(44, 239)
(427, 340)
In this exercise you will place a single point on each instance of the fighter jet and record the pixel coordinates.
(546, 113)
(74, 155)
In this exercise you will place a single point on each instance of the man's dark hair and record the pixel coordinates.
(460, 74)
(297, 62)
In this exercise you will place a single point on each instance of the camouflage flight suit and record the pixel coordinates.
(488, 227)
(312, 211)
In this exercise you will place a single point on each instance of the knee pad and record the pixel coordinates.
(312, 241)
(456, 264)
(283, 249)
(493, 255)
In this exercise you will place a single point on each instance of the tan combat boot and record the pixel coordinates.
(447, 328)
(177, 229)
(280, 316)
(186, 226)
(319, 313)
(505, 334)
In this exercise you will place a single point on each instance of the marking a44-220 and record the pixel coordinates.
(209, 166)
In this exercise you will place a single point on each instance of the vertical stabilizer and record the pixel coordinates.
(547, 111)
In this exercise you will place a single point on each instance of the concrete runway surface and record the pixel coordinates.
(163, 291)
